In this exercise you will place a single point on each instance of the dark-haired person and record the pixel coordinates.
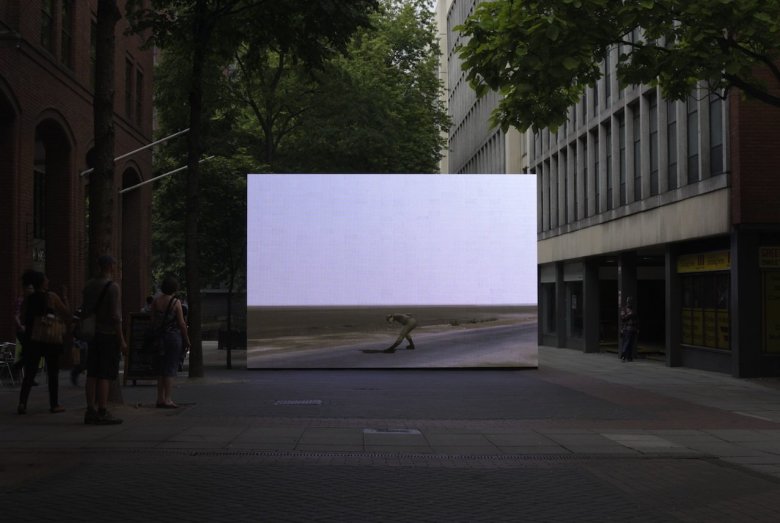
(628, 331)
(102, 297)
(168, 317)
(27, 289)
(42, 302)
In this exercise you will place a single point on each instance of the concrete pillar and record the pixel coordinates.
(590, 304)
(746, 317)
(673, 309)
(560, 306)
(540, 305)
(627, 285)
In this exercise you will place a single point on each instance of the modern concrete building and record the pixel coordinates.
(46, 91)
(671, 203)
(475, 147)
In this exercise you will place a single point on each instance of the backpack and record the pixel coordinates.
(85, 330)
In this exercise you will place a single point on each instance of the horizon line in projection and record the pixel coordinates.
(378, 239)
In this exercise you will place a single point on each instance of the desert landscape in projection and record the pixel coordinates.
(357, 337)
(331, 257)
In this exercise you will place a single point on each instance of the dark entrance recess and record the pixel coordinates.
(650, 304)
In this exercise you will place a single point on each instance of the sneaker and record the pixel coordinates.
(106, 418)
(91, 417)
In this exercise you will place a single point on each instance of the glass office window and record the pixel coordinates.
(671, 143)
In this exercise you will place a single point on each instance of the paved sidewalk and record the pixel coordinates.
(585, 437)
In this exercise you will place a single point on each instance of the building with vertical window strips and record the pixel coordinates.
(475, 147)
(671, 203)
(47, 65)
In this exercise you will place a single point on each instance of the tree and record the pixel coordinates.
(378, 108)
(101, 180)
(375, 108)
(313, 30)
(266, 95)
(102, 193)
(541, 55)
(273, 91)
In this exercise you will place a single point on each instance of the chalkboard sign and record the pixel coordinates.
(139, 364)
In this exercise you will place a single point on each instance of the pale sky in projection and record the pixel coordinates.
(376, 239)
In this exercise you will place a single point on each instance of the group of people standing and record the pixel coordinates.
(101, 297)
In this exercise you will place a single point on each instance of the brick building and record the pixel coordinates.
(46, 91)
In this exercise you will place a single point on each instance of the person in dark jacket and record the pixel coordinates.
(41, 303)
(628, 331)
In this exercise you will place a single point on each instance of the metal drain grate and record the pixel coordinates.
(297, 402)
(392, 431)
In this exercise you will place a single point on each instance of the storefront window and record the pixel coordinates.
(705, 310)
(769, 262)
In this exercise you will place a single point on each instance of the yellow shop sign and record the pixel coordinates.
(704, 262)
(769, 257)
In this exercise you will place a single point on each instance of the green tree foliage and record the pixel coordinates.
(541, 55)
(212, 29)
(379, 108)
(375, 108)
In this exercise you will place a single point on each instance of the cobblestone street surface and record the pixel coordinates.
(583, 438)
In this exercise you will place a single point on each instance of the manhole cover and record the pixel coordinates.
(298, 402)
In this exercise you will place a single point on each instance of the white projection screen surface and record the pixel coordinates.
(391, 271)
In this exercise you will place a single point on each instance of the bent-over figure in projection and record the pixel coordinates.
(408, 323)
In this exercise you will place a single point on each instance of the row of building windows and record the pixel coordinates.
(636, 149)
(490, 158)
(58, 18)
(134, 92)
(475, 146)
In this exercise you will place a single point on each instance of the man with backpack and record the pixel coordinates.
(102, 298)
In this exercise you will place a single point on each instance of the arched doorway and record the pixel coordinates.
(9, 232)
(51, 230)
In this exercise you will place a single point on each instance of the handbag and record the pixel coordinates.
(88, 323)
(48, 329)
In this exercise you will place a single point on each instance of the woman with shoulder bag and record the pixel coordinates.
(46, 318)
(168, 318)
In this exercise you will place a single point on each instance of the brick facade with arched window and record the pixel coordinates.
(46, 92)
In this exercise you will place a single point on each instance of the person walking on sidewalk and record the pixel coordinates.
(628, 331)
(102, 295)
(409, 323)
(168, 319)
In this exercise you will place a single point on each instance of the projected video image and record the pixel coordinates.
(391, 271)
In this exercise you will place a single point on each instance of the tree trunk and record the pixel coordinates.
(102, 194)
(191, 247)
(229, 364)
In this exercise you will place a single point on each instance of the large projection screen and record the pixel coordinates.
(338, 265)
